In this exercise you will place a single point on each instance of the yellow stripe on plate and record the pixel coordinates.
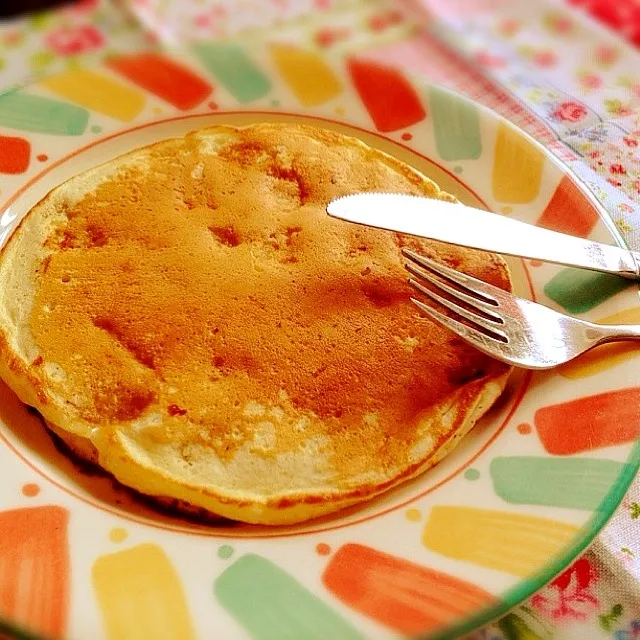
(309, 77)
(140, 595)
(517, 167)
(97, 92)
(513, 543)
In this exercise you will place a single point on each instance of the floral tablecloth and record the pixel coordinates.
(567, 71)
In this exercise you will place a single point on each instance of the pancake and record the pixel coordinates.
(189, 318)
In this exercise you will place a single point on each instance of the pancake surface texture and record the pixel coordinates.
(189, 317)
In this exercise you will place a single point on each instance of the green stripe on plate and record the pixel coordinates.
(237, 73)
(574, 483)
(579, 291)
(456, 126)
(272, 605)
(41, 115)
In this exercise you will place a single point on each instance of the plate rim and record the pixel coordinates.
(526, 587)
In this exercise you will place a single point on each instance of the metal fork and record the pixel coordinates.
(504, 326)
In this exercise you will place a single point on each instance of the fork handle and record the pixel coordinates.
(603, 333)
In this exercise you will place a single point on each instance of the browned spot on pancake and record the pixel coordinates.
(175, 410)
(226, 235)
(45, 264)
(141, 352)
(384, 293)
(292, 234)
(245, 153)
(123, 403)
(97, 236)
(218, 361)
(305, 304)
(236, 361)
(67, 240)
(291, 175)
(37, 362)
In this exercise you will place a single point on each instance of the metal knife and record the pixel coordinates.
(459, 224)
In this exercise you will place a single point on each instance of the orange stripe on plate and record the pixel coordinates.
(14, 154)
(569, 211)
(387, 95)
(34, 569)
(163, 77)
(402, 595)
(590, 423)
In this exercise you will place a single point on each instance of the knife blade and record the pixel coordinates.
(455, 223)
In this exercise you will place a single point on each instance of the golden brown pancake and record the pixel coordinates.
(189, 317)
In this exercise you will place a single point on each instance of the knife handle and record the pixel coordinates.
(633, 274)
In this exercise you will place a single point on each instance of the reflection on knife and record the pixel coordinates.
(458, 224)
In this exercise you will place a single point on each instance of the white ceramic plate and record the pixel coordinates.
(524, 493)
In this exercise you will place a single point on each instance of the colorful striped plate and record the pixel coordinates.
(517, 501)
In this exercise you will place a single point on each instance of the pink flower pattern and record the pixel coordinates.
(68, 41)
(570, 111)
(590, 80)
(606, 55)
(570, 595)
(545, 58)
(613, 155)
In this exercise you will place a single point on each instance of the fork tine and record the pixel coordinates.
(487, 291)
(483, 342)
(486, 307)
(489, 325)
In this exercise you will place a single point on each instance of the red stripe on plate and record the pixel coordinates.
(387, 95)
(590, 423)
(14, 154)
(163, 77)
(397, 593)
(569, 211)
